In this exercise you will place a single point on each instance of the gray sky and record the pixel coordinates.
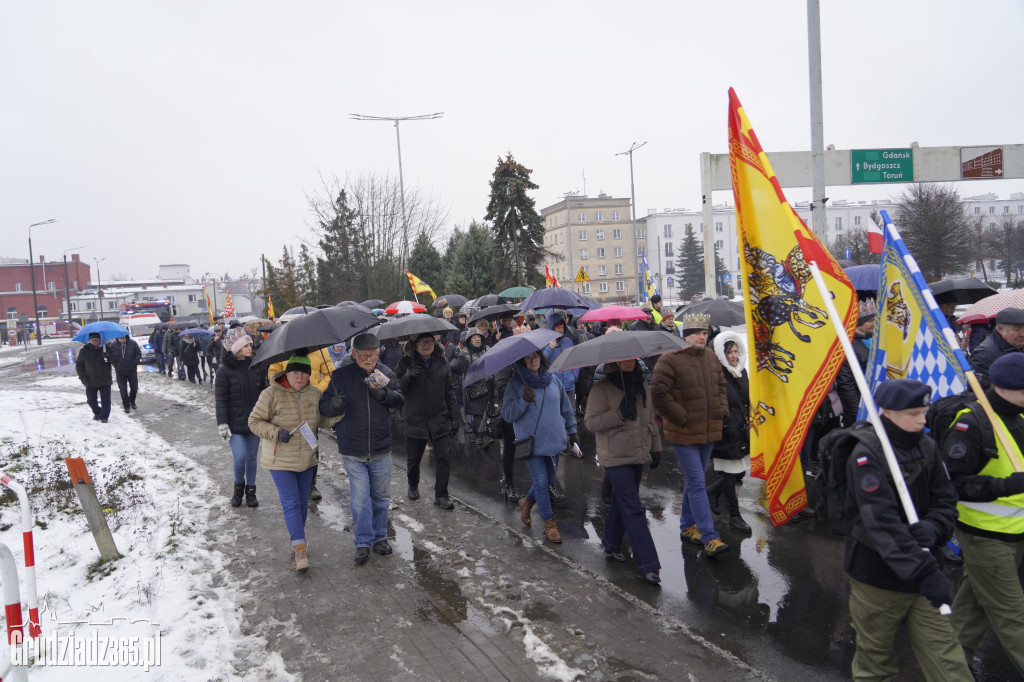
(190, 132)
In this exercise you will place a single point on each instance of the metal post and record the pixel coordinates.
(708, 216)
(91, 506)
(818, 197)
(32, 275)
(27, 523)
(632, 190)
(99, 288)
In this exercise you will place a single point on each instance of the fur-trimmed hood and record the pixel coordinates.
(741, 343)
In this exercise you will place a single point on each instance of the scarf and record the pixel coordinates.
(631, 384)
(534, 380)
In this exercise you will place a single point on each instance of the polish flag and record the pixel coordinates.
(875, 237)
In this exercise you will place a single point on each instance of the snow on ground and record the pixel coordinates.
(157, 503)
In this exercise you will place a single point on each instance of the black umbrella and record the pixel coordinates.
(373, 303)
(616, 347)
(315, 330)
(507, 351)
(178, 326)
(961, 290)
(268, 328)
(723, 312)
(411, 325)
(554, 297)
(486, 300)
(452, 301)
(494, 312)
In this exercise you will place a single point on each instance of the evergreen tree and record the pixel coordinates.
(690, 265)
(856, 240)
(306, 277)
(516, 224)
(340, 271)
(722, 288)
(473, 263)
(456, 237)
(286, 292)
(425, 263)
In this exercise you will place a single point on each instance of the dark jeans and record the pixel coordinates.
(102, 410)
(415, 448)
(627, 516)
(193, 373)
(128, 385)
(161, 366)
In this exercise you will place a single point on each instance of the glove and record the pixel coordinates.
(414, 371)
(528, 394)
(454, 429)
(338, 403)
(926, 534)
(378, 394)
(283, 435)
(935, 588)
(655, 459)
(224, 430)
(1013, 484)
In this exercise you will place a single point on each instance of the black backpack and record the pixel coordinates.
(834, 503)
(941, 413)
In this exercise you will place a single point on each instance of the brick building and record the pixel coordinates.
(16, 285)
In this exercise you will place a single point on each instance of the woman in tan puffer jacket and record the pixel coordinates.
(289, 401)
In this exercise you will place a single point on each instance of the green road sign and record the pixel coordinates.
(881, 165)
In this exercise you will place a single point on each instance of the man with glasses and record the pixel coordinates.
(431, 413)
(365, 391)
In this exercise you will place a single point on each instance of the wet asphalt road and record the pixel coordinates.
(777, 600)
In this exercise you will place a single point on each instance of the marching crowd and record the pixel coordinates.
(966, 481)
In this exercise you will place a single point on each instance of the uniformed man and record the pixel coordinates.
(895, 576)
(991, 522)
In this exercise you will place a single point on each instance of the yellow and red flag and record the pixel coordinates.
(549, 279)
(794, 348)
(209, 305)
(229, 307)
(270, 306)
(419, 286)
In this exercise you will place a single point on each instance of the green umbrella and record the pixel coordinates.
(516, 292)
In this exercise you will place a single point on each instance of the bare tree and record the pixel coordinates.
(935, 227)
(1004, 241)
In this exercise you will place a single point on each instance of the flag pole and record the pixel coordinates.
(869, 404)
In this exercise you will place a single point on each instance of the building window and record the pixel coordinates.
(601, 271)
(599, 234)
(641, 234)
(719, 244)
(668, 232)
(620, 286)
(584, 254)
(839, 223)
(581, 217)
(111, 305)
(17, 286)
(583, 235)
(602, 287)
(41, 311)
(618, 252)
(585, 288)
(89, 305)
(617, 234)
(670, 268)
(74, 306)
(598, 216)
(170, 299)
(856, 220)
(52, 285)
(718, 227)
(615, 215)
(12, 312)
(668, 249)
(977, 210)
(618, 268)
(991, 210)
(191, 298)
(600, 253)
(1006, 209)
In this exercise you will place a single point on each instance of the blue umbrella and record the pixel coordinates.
(507, 351)
(108, 331)
(865, 277)
(195, 331)
(554, 297)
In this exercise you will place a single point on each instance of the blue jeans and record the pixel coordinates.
(369, 491)
(293, 489)
(244, 449)
(160, 365)
(693, 460)
(627, 516)
(542, 471)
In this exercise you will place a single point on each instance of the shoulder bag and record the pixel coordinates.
(524, 446)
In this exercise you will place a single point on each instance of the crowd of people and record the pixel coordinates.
(696, 400)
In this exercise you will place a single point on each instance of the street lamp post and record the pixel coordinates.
(401, 179)
(32, 274)
(67, 287)
(99, 288)
(632, 191)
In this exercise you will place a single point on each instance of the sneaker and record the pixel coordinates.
(382, 548)
(362, 555)
(314, 494)
(653, 578)
(691, 534)
(716, 547)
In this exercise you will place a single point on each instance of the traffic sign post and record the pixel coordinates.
(881, 165)
(582, 275)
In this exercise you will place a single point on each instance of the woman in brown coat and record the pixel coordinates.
(620, 413)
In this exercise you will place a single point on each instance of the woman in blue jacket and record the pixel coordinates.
(568, 377)
(536, 405)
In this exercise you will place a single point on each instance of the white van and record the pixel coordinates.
(140, 326)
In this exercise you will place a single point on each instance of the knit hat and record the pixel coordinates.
(866, 310)
(424, 335)
(236, 339)
(94, 335)
(299, 363)
(695, 322)
(446, 310)
(1008, 371)
(365, 342)
(903, 394)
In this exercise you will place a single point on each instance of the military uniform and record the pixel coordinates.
(991, 521)
(895, 576)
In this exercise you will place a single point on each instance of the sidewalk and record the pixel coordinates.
(463, 596)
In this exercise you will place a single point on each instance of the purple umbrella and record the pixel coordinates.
(506, 352)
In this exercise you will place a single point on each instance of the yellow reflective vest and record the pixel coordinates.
(1003, 514)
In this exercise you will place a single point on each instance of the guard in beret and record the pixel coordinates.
(991, 522)
(894, 568)
(1007, 338)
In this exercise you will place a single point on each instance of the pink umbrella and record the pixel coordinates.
(614, 312)
(405, 308)
(993, 304)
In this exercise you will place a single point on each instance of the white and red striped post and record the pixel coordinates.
(27, 522)
(12, 613)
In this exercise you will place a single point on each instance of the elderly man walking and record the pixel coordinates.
(93, 369)
(1008, 337)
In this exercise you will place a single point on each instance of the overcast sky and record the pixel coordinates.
(191, 132)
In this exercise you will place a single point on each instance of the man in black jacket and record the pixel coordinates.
(94, 372)
(1008, 337)
(895, 578)
(125, 355)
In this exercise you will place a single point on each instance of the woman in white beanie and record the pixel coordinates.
(237, 387)
(731, 455)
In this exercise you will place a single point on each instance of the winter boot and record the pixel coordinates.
(557, 496)
(301, 558)
(250, 497)
(508, 489)
(236, 497)
(524, 510)
(551, 531)
(714, 492)
(736, 521)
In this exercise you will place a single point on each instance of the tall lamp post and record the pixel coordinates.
(32, 274)
(99, 287)
(401, 180)
(67, 287)
(632, 192)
